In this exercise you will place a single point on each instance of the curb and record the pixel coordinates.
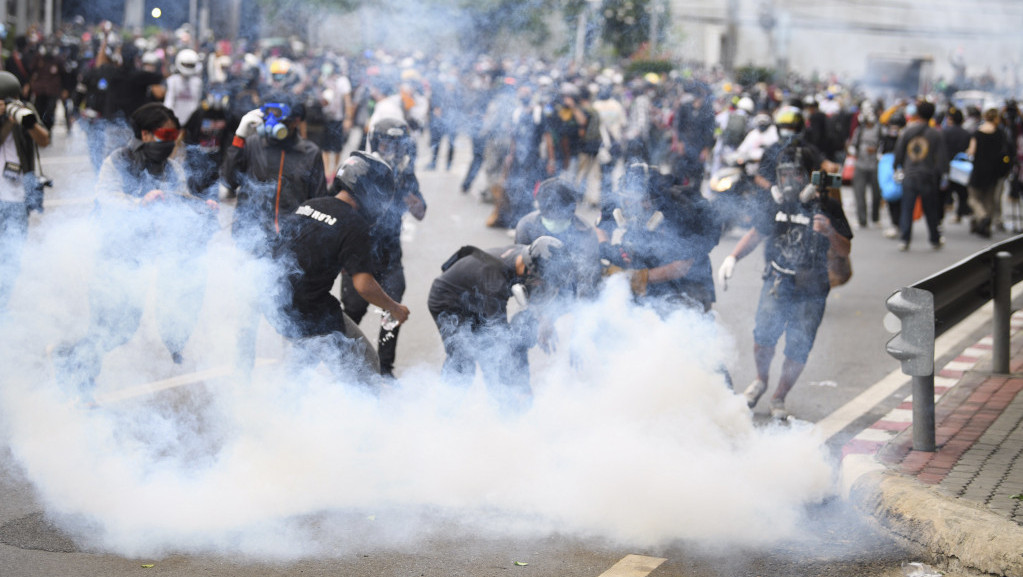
(947, 528)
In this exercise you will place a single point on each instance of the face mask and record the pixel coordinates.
(786, 132)
(157, 152)
(556, 225)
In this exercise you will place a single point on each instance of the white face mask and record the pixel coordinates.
(556, 225)
(786, 132)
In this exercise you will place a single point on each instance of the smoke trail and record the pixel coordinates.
(641, 444)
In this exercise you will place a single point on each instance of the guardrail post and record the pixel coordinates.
(923, 413)
(1002, 285)
(913, 345)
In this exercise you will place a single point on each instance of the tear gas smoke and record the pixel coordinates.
(640, 442)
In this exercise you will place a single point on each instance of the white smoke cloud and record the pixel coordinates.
(642, 443)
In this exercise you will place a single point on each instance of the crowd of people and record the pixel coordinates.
(176, 127)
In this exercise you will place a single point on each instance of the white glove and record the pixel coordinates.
(19, 113)
(726, 270)
(249, 124)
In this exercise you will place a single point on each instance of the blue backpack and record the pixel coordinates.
(890, 190)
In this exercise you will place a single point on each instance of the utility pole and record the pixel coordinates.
(654, 7)
(134, 14)
(731, 42)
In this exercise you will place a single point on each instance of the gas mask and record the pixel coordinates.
(274, 114)
(792, 184)
(392, 149)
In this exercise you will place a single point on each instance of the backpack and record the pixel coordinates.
(735, 130)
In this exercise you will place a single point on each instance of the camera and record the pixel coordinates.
(823, 181)
(274, 114)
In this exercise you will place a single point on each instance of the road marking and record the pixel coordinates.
(952, 339)
(173, 382)
(633, 566)
(66, 159)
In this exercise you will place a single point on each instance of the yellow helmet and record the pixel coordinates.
(280, 66)
(789, 117)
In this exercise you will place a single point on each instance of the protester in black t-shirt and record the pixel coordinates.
(800, 227)
(320, 239)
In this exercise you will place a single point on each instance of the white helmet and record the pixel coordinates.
(746, 105)
(187, 62)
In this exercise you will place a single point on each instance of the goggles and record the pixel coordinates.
(166, 134)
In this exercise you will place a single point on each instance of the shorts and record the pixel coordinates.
(333, 136)
(794, 313)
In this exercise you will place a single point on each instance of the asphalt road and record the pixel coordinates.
(428, 536)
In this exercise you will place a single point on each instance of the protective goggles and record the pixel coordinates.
(166, 134)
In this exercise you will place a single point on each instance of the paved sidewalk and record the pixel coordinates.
(957, 501)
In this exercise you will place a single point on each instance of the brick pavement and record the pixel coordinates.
(979, 432)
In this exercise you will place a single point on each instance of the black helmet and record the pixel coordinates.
(540, 254)
(10, 87)
(368, 179)
(391, 140)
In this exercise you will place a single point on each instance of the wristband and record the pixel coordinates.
(238, 141)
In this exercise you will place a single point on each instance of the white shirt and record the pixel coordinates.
(10, 190)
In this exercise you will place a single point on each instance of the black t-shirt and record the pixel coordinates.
(323, 236)
(793, 249)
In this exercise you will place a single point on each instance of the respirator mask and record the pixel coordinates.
(274, 115)
(792, 184)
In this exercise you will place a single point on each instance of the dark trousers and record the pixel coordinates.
(862, 179)
(494, 345)
(479, 145)
(930, 198)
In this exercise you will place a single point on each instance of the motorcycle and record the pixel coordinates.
(733, 192)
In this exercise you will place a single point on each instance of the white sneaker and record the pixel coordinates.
(778, 411)
(754, 391)
(891, 232)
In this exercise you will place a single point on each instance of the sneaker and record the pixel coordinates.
(903, 247)
(754, 391)
(939, 244)
(891, 232)
(778, 411)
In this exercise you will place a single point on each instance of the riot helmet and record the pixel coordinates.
(391, 140)
(368, 179)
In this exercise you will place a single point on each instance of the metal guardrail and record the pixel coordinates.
(957, 291)
(964, 287)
